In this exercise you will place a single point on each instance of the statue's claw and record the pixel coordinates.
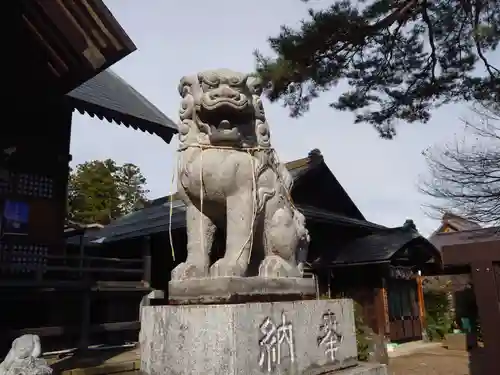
(188, 271)
(223, 267)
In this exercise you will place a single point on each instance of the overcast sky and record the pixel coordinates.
(175, 38)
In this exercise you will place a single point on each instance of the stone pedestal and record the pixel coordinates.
(225, 290)
(309, 337)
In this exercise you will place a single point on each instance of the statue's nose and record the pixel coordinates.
(225, 92)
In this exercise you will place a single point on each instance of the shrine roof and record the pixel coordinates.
(382, 247)
(453, 223)
(156, 217)
(109, 96)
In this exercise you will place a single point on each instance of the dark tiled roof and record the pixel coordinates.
(330, 185)
(108, 96)
(156, 218)
(149, 220)
(381, 247)
(330, 217)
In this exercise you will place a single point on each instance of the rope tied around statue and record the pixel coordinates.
(250, 151)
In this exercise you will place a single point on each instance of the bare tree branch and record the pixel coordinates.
(464, 177)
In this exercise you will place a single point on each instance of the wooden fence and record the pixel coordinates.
(71, 300)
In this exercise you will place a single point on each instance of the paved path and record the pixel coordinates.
(427, 361)
(414, 347)
(97, 363)
(439, 361)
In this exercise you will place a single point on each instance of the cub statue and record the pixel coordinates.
(23, 358)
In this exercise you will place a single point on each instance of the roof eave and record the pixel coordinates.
(94, 110)
(63, 30)
(319, 215)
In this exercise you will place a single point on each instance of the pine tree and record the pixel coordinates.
(101, 191)
(131, 186)
(401, 58)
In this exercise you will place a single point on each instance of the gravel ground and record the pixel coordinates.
(439, 362)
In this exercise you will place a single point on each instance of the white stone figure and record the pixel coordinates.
(23, 358)
(229, 177)
(330, 338)
(272, 342)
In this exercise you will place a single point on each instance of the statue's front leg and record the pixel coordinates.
(200, 236)
(239, 236)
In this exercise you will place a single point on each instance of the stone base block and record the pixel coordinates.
(303, 337)
(362, 369)
(460, 341)
(240, 290)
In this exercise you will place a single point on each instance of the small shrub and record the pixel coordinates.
(439, 321)
(362, 333)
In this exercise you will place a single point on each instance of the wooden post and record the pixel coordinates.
(380, 311)
(421, 303)
(146, 255)
(82, 253)
(85, 324)
(385, 304)
(86, 306)
(482, 256)
(483, 279)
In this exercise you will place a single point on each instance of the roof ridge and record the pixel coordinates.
(313, 157)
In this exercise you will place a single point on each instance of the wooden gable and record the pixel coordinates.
(316, 186)
(64, 43)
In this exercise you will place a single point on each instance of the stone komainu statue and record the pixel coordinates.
(229, 177)
(23, 358)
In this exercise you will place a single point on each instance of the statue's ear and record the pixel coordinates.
(186, 84)
(254, 84)
(183, 87)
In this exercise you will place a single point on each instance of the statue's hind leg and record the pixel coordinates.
(200, 236)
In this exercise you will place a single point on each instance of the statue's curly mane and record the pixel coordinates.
(198, 93)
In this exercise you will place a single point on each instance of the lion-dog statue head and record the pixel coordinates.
(222, 108)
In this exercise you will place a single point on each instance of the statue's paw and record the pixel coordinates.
(275, 266)
(186, 271)
(223, 268)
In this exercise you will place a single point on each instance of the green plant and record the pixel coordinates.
(438, 316)
(362, 333)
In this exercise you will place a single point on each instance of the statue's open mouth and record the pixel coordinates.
(224, 120)
(223, 117)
